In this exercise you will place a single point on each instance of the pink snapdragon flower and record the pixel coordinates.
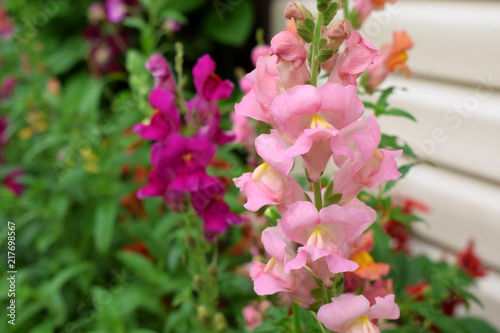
(360, 162)
(209, 204)
(158, 66)
(308, 118)
(353, 61)
(96, 13)
(116, 10)
(365, 7)
(6, 25)
(271, 278)
(356, 313)
(327, 235)
(171, 25)
(12, 183)
(186, 158)
(270, 183)
(272, 76)
(253, 314)
(266, 186)
(259, 51)
(244, 131)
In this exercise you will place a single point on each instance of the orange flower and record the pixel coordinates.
(392, 58)
(368, 268)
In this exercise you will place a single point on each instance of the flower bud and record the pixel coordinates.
(220, 322)
(203, 315)
(337, 33)
(295, 10)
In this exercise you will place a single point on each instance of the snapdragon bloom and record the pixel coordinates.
(326, 235)
(392, 58)
(285, 68)
(271, 278)
(353, 61)
(308, 118)
(165, 119)
(365, 7)
(360, 162)
(158, 66)
(353, 314)
(6, 25)
(115, 10)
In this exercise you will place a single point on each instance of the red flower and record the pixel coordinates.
(417, 290)
(468, 261)
(138, 247)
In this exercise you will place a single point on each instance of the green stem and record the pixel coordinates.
(345, 7)
(296, 318)
(318, 198)
(319, 322)
(315, 66)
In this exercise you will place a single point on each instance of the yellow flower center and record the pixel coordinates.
(318, 122)
(397, 60)
(363, 259)
(316, 239)
(187, 158)
(259, 171)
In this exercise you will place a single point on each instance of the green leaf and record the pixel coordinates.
(184, 6)
(66, 55)
(382, 101)
(333, 199)
(399, 113)
(477, 325)
(134, 22)
(104, 225)
(230, 24)
(404, 169)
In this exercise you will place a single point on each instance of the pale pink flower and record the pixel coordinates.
(348, 313)
(353, 61)
(271, 278)
(360, 163)
(326, 235)
(266, 186)
(244, 131)
(259, 51)
(253, 314)
(308, 118)
(365, 7)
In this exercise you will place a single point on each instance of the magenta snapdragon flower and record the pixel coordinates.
(165, 120)
(116, 10)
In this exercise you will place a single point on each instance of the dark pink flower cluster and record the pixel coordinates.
(11, 179)
(179, 162)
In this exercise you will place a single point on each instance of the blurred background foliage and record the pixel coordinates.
(90, 256)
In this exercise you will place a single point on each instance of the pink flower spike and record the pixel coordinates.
(287, 46)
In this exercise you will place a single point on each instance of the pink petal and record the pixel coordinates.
(342, 310)
(384, 308)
